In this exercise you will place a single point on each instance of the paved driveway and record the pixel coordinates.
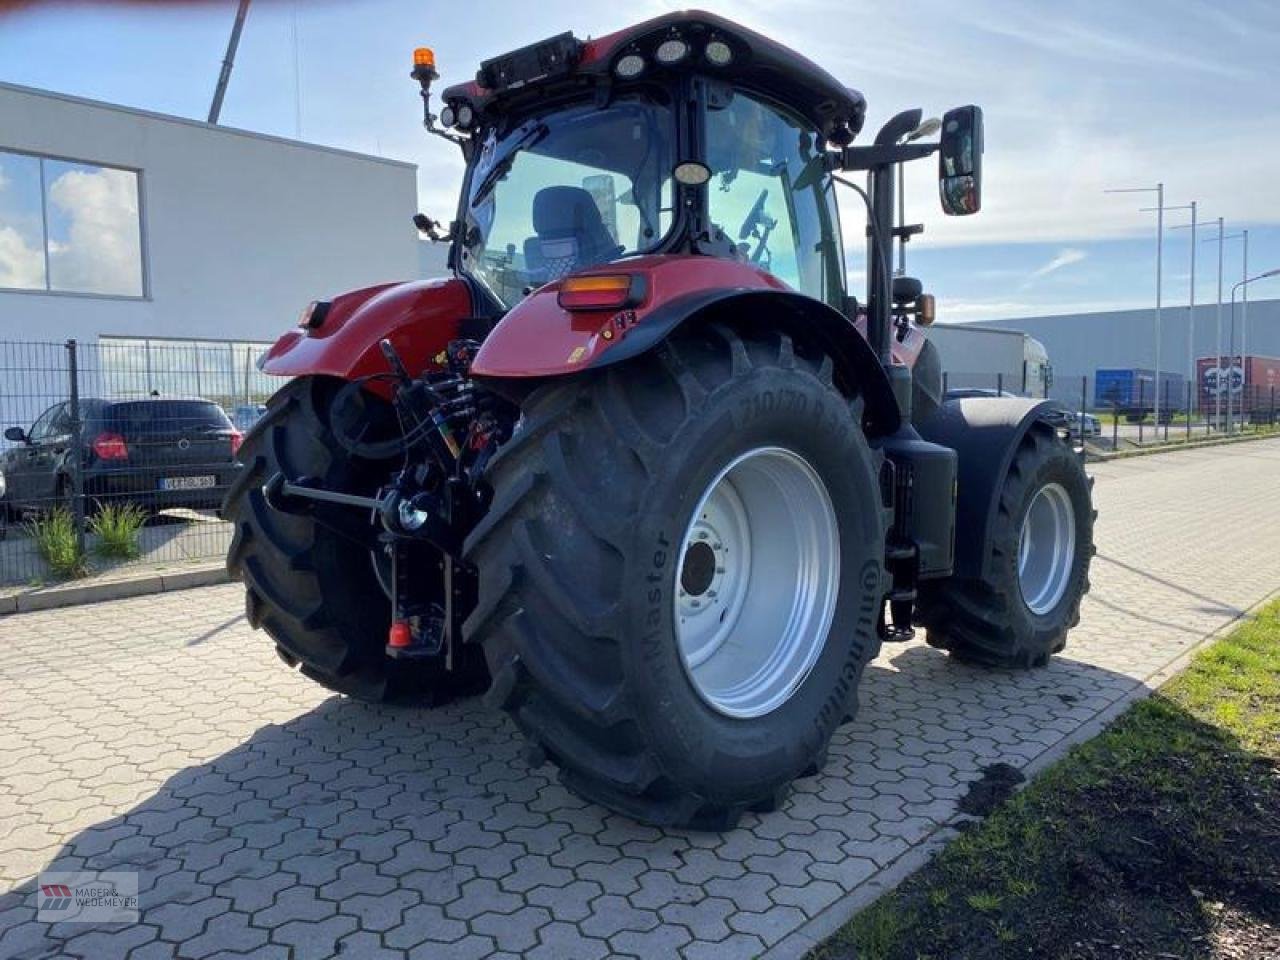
(268, 819)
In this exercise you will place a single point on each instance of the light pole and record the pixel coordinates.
(1158, 190)
(1193, 397)
(1231, 351)
(1244, 302)
(1244, 369)
(1217, 340)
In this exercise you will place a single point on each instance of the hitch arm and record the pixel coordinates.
(432, 528)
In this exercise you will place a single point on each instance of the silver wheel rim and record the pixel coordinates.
(1046, 548)
(757, 582)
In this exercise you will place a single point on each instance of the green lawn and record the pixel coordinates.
(1158, 839)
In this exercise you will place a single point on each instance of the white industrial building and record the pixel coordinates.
(171, 249)
(120, 222)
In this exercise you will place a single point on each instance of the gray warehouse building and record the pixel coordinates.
(1079, 344)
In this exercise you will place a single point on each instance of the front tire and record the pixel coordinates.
(316, 594)
(593, 554)
(1041, 547)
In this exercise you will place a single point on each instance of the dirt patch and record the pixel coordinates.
(997, 784)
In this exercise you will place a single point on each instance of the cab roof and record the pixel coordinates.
(519, 81)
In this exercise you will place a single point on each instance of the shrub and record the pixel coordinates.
(55, 539)
(118, 528)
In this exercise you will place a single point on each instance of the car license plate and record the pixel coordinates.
(187, 483)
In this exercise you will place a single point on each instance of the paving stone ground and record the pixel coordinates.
(268, 819)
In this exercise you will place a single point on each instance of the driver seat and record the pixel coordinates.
(570, 234)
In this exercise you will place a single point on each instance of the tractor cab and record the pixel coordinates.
(686, 134)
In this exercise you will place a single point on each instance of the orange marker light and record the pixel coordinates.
(598, 292)
(424, 57)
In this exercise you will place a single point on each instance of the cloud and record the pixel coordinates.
(21, 263)
(101, 250)
(1064, 258)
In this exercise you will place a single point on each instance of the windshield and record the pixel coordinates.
(575, 188)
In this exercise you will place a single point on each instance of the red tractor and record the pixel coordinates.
(642, 466)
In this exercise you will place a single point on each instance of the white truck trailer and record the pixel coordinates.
(982, 357)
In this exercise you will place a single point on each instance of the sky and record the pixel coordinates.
(1078, 97)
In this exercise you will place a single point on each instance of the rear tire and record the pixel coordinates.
(584, 551)
(1021, 616)
(314, 592)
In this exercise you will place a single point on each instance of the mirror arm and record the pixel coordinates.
(880, 155)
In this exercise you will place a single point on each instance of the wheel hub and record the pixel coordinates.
(1046, 548)
(699, 568)
(758, 581)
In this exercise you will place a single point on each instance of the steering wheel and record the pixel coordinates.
(754, 217)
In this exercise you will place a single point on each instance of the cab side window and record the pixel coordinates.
(770, 195)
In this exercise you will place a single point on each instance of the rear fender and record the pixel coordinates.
(539, 339)
(419, 318)
(985, 433)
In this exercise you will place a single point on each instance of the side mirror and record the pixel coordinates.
(960, 161)
(16, 434)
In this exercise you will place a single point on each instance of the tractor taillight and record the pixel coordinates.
(601, 292)
(110, 446)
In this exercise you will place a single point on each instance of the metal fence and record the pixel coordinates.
(1109, 419)
(118, 452)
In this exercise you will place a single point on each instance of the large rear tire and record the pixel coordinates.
(313, 591)
(625, 508)
(1040, 551)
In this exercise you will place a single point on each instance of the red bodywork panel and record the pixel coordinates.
(420, 318)
(536, 338)
(539, 338)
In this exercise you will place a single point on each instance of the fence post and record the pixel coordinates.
(1115, 424)
(945, 377)
(999, 384)
(1188, 411)
(1084, 399)
(77, 443)
(1142, 408)
(1272, 418)
(1167, 412)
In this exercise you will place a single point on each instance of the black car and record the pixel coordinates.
(156, 452)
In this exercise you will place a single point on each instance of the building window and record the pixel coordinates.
(69, 227)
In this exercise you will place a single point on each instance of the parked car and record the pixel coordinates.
(156, 452)
(1059, 416)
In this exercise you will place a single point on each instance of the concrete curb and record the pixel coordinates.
(797, 944)
(73, 594)
(1174, 447)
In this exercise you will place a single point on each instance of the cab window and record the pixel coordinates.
(770, 195)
